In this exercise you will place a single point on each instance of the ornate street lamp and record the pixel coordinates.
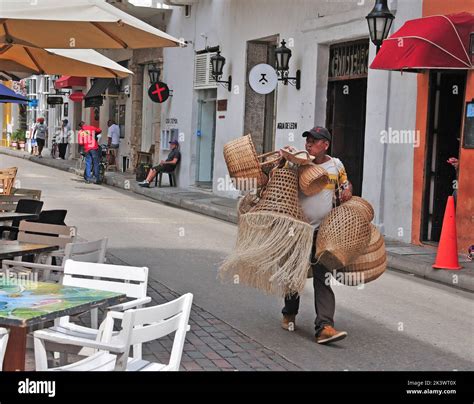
(283, 56)
(380, 21)
(217, 63)
(154, 73)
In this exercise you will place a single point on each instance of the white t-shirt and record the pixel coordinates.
(316, 207)
(114, 133)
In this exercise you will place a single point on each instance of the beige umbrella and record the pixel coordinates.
(82, 24)
(22, 60)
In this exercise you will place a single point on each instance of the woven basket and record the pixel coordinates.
(300, 157)
(343, 235)
(281, 194)
(247, 203)
(368, 266)
(244, 166)
(362, 206)
(312, 179)
(274, 241)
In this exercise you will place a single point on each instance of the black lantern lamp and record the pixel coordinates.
(380, 21)
(217, 63)
(154, 73)
(283, 55)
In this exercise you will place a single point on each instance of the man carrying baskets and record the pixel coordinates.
(315, 208)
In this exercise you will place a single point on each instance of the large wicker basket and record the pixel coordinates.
(369, 266)
(244, 166)
(312, 179)
(362, 206)
(343, 235)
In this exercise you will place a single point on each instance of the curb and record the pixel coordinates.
(462, 279)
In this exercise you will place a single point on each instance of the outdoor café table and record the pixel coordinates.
(26, 303)
(5, 216)
(14, 248)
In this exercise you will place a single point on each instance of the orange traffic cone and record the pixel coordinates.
(447, 257)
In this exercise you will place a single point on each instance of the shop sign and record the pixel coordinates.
(159, 92)
(349, 60)
(287, 125)
(55, 100)
(263, 78)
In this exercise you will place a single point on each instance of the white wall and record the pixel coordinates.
(312, 26)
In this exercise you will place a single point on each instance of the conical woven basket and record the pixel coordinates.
(362, 205)
(274, 242)
(343, 235)
(312, 179)
(248, 202)
(244, 166)
(367, 267)
(281, 194)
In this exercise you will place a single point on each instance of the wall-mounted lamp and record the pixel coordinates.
(154, 73)
(283, 56)
(380, 21)
(217, 63)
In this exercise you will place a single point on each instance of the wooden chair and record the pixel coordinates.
(7, 180)
(131, 281)
(3, 345)
(137, 326)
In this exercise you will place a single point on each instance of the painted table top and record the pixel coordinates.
(13, 248)
(24, 303)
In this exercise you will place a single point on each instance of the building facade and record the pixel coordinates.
(330, 46)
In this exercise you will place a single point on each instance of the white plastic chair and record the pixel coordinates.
(3, 345)
(90, 251)
(137, 326)
(131, 281)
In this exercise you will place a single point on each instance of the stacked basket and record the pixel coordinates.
(349, 245)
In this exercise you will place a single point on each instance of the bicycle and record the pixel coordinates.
(55, 150)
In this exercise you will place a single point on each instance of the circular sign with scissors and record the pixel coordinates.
(263, 79)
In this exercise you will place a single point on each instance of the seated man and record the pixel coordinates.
(167, 166)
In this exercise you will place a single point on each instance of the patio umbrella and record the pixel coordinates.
(23, 60)
(8, 95)
(81, 24)
(434, 42)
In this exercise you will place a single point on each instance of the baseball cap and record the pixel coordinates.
(174, 142)
(318, 132)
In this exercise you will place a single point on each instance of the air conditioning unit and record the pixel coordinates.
(203, 72)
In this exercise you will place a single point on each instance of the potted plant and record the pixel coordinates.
(13, 141)
(21, 138)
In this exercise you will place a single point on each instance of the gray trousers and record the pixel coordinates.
(324, 300)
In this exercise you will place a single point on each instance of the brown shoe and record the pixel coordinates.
(288, 322)
(329, 334)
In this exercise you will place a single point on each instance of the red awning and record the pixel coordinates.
(70, 81)
(434, 42)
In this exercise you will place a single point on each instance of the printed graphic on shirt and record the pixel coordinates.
(339, 178)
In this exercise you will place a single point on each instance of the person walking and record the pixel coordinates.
(87, 139)
(113, 140)
(315, 208)
(40, 132)
(64, 138)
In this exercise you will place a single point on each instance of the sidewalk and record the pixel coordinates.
(403, 257)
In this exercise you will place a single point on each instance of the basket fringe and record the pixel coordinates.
(272, 253)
